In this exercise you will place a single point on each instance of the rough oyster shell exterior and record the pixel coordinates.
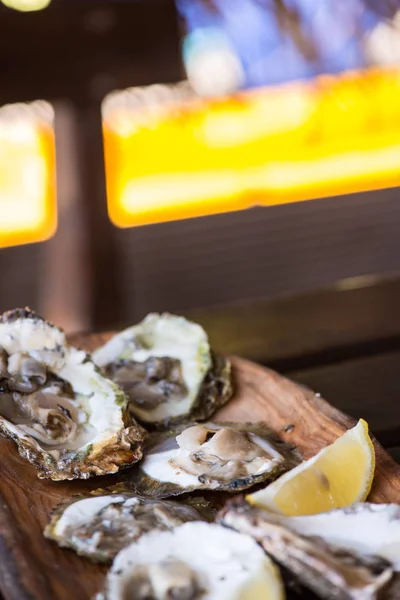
(100, 534)
(118, 444)
(332, 572)
(143, 484)
(212, 388)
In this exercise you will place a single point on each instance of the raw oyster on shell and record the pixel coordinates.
(167, 369)
(210, 456)
(194, 561)
(346, 554)
(99, 526)
(65, 417)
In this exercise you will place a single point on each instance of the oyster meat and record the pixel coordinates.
(166, 367)
(211, 456)
(98, 527)
(345, 554)
(65, 417)
(195, 561)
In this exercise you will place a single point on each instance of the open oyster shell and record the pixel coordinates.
(195, 561)
(99, 526)
(65, 417)
(210, 456)
(346, 554)
(167, 369)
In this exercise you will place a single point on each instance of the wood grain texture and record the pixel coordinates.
(33, 568)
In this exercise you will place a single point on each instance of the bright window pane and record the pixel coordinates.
(171, 155)
(27, 173)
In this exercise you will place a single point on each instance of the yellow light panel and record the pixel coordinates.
(27, 5)
(27, 174)
(170, 155)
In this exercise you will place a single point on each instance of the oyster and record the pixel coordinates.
(166, 367)
(212, 456)
(346, 554)
(65, 417)
(99, 526)
(195, 561)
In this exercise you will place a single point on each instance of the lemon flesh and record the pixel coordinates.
(337, 476)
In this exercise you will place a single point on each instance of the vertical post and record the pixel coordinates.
(64, 277)
(105, 305)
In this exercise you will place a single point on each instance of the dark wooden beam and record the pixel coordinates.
(102, 281)
(356, 317)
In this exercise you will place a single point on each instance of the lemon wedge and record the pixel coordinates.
(337, 476)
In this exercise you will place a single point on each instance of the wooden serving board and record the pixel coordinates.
(33, 568)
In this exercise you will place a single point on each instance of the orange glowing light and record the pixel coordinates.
(27, 174)
(170, 155)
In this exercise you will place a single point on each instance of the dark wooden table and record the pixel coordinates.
(343, 342)
(26, 502)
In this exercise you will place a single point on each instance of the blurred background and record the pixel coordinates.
(237, 161)
(153, 153)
